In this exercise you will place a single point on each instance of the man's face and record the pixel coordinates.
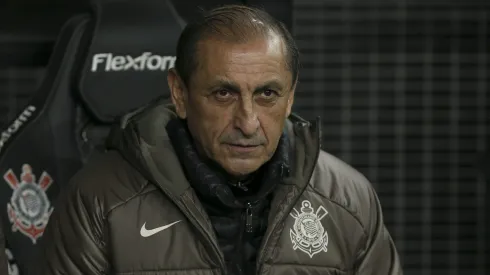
(237, 101)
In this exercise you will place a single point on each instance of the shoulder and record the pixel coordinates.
(106, 182)
(345, 186)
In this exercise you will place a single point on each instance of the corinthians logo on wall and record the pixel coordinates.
(308, 234)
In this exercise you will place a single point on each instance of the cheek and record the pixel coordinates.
(272, 121)
(207, 124)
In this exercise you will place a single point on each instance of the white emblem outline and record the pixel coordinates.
(307, 233)
(29, 208)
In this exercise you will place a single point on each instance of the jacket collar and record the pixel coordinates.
(212, 183)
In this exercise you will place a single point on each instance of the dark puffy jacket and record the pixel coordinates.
(3, 255)
(132, 211)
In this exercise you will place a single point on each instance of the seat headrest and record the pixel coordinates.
(134, 44)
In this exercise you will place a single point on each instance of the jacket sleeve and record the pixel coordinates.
(73, 242)
(379, 257)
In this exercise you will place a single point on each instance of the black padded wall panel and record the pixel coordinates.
(403, 91)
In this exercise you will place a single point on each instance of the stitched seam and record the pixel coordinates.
(136, 194)
(316, 191)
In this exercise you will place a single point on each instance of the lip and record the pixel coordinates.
(242, 149)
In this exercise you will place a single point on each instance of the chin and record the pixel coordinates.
(242, 167)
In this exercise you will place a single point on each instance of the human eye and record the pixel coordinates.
(268, 95)
(223, 95)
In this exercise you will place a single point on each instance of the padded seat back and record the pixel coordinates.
(104, 64)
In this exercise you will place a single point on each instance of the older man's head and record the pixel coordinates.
(234, 82)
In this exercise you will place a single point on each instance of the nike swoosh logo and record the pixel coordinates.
(147, 233)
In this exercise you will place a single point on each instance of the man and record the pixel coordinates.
(223, 181)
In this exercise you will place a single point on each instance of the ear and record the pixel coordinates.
(178, 93)
(291, 99)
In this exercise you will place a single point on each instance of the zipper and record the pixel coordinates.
(246, 227)
(240, 185)
(249, 218)
(245, 232)
(239, 255)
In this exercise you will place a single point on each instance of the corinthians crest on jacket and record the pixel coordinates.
(29, 208)
(308, 234)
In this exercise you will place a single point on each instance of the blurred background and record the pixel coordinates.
(402, 87)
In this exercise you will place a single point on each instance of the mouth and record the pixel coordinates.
(243, 148)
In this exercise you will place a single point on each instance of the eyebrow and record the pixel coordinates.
(233, 86)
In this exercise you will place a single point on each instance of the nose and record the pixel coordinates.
(246, 118)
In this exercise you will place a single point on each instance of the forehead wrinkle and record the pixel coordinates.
(244, 68)
(272, 45)
(256, 57)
